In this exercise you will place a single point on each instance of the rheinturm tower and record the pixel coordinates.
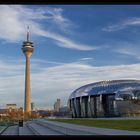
(27, 49)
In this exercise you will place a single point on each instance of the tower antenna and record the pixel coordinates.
(27, 33)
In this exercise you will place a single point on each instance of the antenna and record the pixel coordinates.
(27, 33)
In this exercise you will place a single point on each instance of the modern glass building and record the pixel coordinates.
(106, 99)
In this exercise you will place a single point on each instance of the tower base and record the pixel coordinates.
(27, 116)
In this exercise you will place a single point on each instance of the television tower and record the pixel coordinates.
(27, 49)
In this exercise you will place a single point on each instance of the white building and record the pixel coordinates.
(11, 107)
(57, 105)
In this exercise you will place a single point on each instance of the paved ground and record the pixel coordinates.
(46, 127)
(12, 130)
(25, 130)
(43, 130)
(1, 128)
(94, 130)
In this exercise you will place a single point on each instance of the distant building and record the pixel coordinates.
(43, 113)
(57, 105)
(63, 109)
(32, 106)
(11, 107)
(63, 112)
(3, 112)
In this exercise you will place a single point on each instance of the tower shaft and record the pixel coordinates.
(27, 105)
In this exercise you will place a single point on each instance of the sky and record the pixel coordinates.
(74, 45)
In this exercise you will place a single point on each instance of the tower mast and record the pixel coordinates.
(27, 49)
(28, 34)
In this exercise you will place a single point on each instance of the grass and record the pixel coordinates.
(132, 125)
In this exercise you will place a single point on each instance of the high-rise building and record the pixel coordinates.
(57, 105)
(32, 106)
(27, 50)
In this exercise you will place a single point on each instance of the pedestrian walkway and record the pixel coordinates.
(73, 128)
(43, 130)
(11, 130)
(24, 130)
(2, 128)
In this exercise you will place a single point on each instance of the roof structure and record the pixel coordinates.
(118, 87)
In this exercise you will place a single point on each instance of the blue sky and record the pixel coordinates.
(74, 45)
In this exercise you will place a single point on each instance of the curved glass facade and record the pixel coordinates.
(106, 98)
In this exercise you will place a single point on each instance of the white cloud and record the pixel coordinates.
(50, 83)
(39, 61)
(63, 41)
(128, 49)
(14, 20)
(87, 58)
(135, 21)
